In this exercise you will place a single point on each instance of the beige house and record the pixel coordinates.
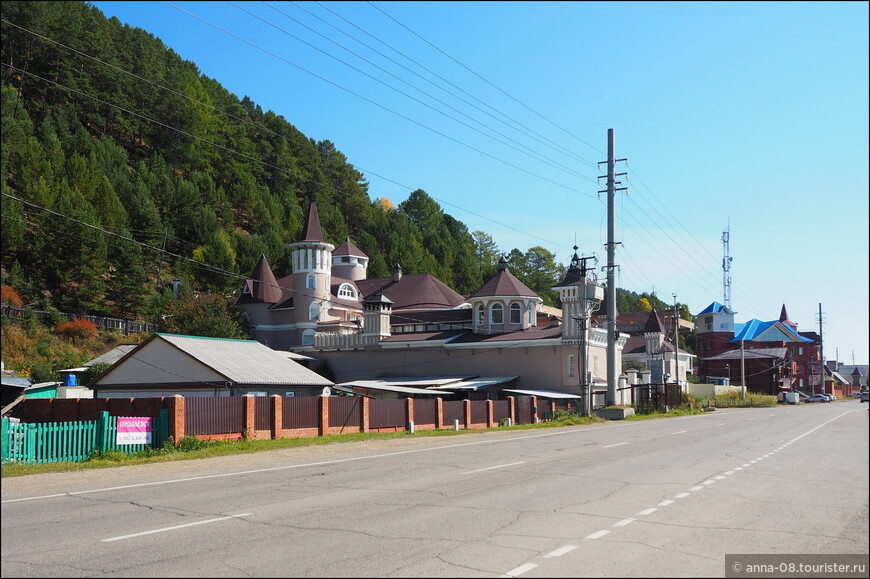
(412, 326)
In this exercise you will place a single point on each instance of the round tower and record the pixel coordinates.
(312, 262)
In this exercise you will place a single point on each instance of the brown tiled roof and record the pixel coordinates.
(460, 316)
(312, 228)
(527, 335)
(420, 290)
(425, 336)
(262, 285)
(504, 283)
(348, 248)
(639, 322)
(286, 285)
(635, 344)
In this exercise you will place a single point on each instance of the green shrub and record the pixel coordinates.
(94, 372)
(42, 372)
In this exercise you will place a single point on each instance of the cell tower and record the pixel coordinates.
(726, 266)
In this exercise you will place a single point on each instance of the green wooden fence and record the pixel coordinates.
(71, 441)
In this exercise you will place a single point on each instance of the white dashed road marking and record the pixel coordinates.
(174, 528)
(520, 570)
(561, 551)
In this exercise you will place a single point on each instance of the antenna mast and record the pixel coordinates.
(726, 266)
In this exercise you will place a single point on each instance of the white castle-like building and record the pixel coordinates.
(414, 325)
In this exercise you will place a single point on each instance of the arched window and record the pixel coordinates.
(516, 315)
(496, 315)
(314, 311)
(479, 315)
(346, 291)
(308, 338)
(309, 281)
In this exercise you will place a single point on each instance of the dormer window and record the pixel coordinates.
(347, 291)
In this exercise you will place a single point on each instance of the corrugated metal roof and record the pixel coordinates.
(477, 383)
(545, 394)
(246, 361)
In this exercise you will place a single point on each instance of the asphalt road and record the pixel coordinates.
(666, 497)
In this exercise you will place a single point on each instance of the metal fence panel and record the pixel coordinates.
(262, 413)
(479, 414)
(214, 415)
(345, 411)
(301, 412)
(453, 410)
(523, 409)
(387, 413)
(426, 412)
(501, 409)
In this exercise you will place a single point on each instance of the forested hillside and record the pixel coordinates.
(123, 168)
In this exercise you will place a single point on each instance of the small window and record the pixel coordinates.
(570, 364)
(479, 315)
(289, 394)
(516, 315)
(314, 311)
(308, 338)
(309, 282)
(497, 314)
(800, 351)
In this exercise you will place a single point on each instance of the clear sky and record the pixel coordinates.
(740, 115)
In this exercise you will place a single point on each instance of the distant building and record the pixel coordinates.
(782, 358)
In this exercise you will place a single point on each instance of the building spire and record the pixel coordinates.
(313, 232)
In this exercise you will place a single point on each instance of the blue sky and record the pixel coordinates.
(751, 116)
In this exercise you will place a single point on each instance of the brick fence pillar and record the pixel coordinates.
(365, 414)
(489, 418)
(534, 416)
(250, 414)
(324, 416)
(409, 412)
(466, 406)
(439, 413)
(512, 409)
(277, 415)
(176, 418)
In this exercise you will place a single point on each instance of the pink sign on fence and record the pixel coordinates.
(134, 430)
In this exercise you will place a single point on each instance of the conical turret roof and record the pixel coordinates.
(313, 232)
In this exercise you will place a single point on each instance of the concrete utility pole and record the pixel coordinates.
(676, 344)
(612, 375)
(821, 353)
(742, 373)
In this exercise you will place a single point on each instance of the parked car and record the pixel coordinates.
(855, 395)
(830, 397)
(816, 398)
(865, 396)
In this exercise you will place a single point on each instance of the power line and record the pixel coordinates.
(525, 130)
(531, 153)
(370, 101)
(248, 121)
(485, 80)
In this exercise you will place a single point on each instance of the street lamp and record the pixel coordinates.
(728, 370)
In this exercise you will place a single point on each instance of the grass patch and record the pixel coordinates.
(191, 448)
